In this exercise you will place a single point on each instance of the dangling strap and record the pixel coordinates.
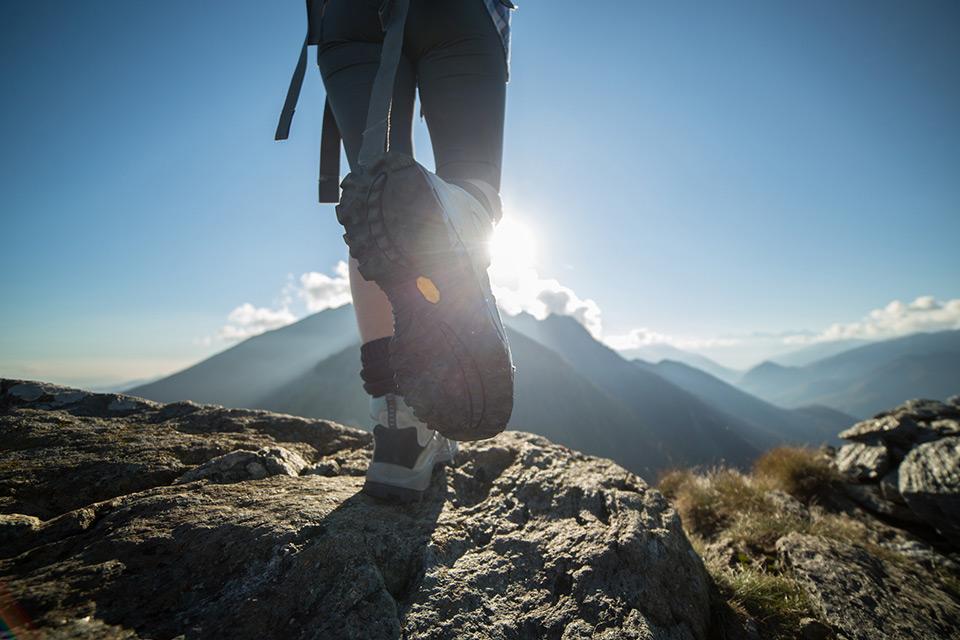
(329, 182)
(329, 157)
(376, 137)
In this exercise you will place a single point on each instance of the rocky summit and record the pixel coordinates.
(905, 464)
(125, 518)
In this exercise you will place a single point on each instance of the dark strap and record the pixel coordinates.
(329, 185)
(329, 157)
(293, 93)
(376, 137)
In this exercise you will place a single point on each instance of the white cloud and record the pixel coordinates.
(523, 289)
(247, 320)
(926, 313)
(320, 291)
(637, 338)
(643, 337)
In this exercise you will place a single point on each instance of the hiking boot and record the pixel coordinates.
(424, 241)
(404, 451)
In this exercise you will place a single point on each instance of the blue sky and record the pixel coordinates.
(699, 174)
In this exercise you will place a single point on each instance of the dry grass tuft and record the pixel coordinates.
(719, 500)
(803, 473)
(724, 506)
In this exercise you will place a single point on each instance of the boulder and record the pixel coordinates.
(237, 466)
(861, 462)
(520, 538)
(923, 554)
(812, 629)
(865, 597)
(930, 485)
(61, 457)
(946, 427)
(890, 487)
(900, 430)
(924, 409)
(873, 498)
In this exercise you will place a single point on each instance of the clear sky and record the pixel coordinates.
(694, 172)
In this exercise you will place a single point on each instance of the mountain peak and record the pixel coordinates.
(768, 366)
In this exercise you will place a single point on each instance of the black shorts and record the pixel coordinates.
(452, 54)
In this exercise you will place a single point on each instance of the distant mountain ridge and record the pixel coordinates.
(256, 367)
(656, 353)
(691, 431)
(552, 399)
(772, 425)
(865, 379)
(811, 353)
(570, 388)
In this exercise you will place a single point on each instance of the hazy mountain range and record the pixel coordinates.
(864, 380)
(659, 352)
(580, 393)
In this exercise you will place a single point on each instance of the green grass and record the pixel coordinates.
(725, 504)
(765, 594)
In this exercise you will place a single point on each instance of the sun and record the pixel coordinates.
(513, 247)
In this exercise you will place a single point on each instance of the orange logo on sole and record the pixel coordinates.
(428, 290)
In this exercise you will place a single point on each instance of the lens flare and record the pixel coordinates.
(513, 247)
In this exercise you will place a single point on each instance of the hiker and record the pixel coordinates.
(434, 358)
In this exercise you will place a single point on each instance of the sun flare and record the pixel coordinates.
(513, 247)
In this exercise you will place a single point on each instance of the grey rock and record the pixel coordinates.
(923, 554)
(788, 505)
(864, 597)
(26, 391)
(237, 466)
(900, 429)
(861, 462)
(890, 487)
(52, 395)
(725, 552)
(925, 410)
(121, 403)
(946, 427)
(323, 468)
(812, 629)
(253, 470)
(56, 461)
(930, 485)
(871, 497)
(954, 401)
(14, 526)
(523, 538)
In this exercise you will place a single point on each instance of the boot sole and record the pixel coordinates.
(452, 362)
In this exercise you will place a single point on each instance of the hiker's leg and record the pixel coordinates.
(462, 77)
(349, 56)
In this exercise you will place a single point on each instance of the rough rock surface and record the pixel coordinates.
(897, 429)
(247, 465)
(905, 464)
(861, 462)
(106, 534)
(930, 484)
(864, 597)
(873, 498)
